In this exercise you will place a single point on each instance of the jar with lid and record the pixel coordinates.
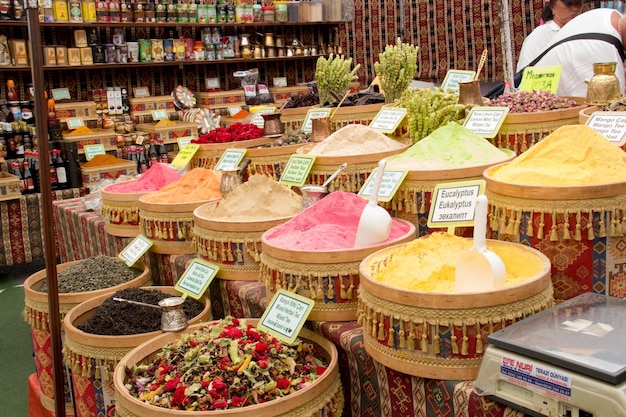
(293, 11)
(316, 11)
(198, 50)
(268, 14)
(257, 12)
(280, 11)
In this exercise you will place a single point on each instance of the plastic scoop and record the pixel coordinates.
(375, 222)
(479, 269)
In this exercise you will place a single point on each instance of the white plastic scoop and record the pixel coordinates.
(375, 222)
(479, 269)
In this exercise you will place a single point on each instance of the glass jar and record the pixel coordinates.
(257, 13)
(280, 11)
(268, 14)
(293, 11)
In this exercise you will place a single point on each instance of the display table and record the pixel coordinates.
(371, 389)
(22, 229)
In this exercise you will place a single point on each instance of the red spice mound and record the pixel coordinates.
(156, 177)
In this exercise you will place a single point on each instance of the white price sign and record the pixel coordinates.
(454, 77)
(612, 125)
(135, 250)
(285, 315)
(486, 121)
(231, 158)
(387, 120)
(388, 186)
(307, 125)
(196, 278)
(453, 204)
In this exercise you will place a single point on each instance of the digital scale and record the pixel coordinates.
(566, 361)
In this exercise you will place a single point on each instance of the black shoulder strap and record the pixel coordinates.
(599, 36)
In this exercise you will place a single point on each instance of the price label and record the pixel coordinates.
(486, 121)
(453, 203)
(184, 141)
(59, 94)
(74, 123)
(285, 315)
(611, 125)
(257, 118)
(184, 155)
(233, 110)
(196, 278)
(544, 78)
(307, 125)
(159, 114)
(93, 150)
(135, 250)
(388, 186)
(141, 92)
(231, 158)
(454, 77)
(297, 170)
(388, 119)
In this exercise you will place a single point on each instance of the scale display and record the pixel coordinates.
(566, 361)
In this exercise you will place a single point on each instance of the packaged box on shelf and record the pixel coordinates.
(105, 137)
(220, 99)
(9, 186)
(169, 133)
(282, 94)
(83, 109)
(92, 176)
(145, 105)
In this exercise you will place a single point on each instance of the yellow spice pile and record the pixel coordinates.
(198, 184)
(428, 264)
(260, 198)
(572, 155)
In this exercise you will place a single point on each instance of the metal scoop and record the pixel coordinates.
(375, 222)
(334, 174)
(173, 317)
(479, 269)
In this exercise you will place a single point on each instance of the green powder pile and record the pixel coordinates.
(450, 146)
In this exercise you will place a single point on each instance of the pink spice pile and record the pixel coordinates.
(329, 224)
(156, 177)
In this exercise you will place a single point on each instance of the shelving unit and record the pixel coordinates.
(162, 77)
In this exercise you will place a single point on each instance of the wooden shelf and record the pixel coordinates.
(11, 68)
(176, 24)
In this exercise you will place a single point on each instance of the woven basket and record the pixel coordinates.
(520, 131)
(331, 278)
(168, 225)
(322, 398)
(36, 314)
(412, 200)
(442, 335)
(293, 119)
(121, 212)
(233, 245)
(93, 357)
(270, 161)
(580, 229)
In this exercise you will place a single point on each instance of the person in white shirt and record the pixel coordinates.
(556, 14)
(578, 56)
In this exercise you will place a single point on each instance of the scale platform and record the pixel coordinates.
(567, 361)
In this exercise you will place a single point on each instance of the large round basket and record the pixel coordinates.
(520, 131)
(169, 225)
(93, 357)
(36, 313)
(293, 119)
(580, 229)
(323, 398)
(121, 213)
(233, 245)
(208, 154)
(413, 198)
(356, 173)
(270, 161)
(442, 335)
(331, 278)
(585, 114)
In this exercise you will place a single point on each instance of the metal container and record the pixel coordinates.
(604, 85)
(173, 317)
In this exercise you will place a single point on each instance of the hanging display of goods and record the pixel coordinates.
(327, 272)
(321, 398)
(234, 245)
(36, 313)
(93, 357)
(442, 334)
(183, 98)
(204, 118)
(520, 131)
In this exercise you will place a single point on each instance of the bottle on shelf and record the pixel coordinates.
(163, 152)
(34, 167)
(76, 179)
(11, 152)
(153, 153)
(28, 179)
(54, 124)
(15, 170)
(12, 93)
(142, 162)
(60, 165)
(54, 184)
